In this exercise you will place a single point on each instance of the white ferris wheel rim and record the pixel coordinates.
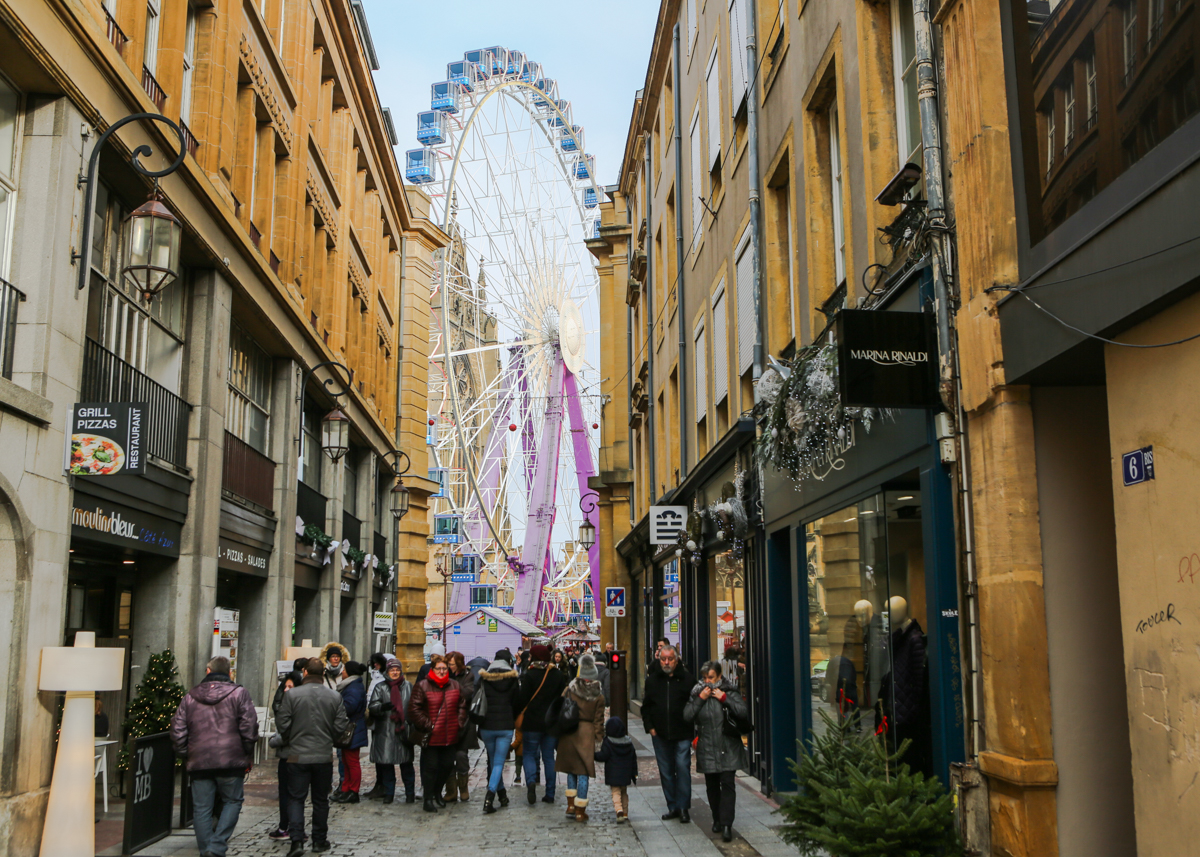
(574, 342)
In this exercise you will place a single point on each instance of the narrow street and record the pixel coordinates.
(371, 829)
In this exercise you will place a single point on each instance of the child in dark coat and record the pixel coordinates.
(620, 764)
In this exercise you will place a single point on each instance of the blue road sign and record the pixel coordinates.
(614, 596)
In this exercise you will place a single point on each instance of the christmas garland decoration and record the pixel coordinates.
(316, 536)
(804, 414)
(356, 556)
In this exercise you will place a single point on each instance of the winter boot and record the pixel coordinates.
(462, 787)
(570, 803)
(618, 807)
(430, 806)
(374, 794)
(517, 774)
(531, 794)
(451, 789)
(581, 809)
(503, 796)
(489, 801)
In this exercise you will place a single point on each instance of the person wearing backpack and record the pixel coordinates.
(540, 686)
(310, 718)
(577, 748)
(499, 686)
(620, 764)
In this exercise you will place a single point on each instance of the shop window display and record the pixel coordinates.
(672, 618)
(727, 583)
(866, 606)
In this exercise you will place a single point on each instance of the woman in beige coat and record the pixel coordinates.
(577, 751)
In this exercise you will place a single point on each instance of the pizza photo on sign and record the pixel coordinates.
(95, 455)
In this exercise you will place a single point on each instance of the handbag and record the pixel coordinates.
(562, 717)
(479, 706)
(342, 741)
(733, 726)
(520, 718)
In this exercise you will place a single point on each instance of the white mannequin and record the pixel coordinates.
(865, 611)
(898, 612)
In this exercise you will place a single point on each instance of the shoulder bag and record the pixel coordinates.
(562, 717)
(479, 706)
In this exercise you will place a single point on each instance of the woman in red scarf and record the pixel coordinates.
(438, 709)
(389, 700)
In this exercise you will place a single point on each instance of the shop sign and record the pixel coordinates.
(113, 524)
(665, 524)
(1137, 466)
(243, 558)
(887, 359)
(383, 623)
(493, 626)
(150, 805)
(106, 438)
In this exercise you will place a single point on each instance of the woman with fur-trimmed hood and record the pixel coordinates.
(577, 751)
(335, 656)
(500, 685)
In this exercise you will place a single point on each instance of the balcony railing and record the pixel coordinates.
(115, 34)
(10, 296)
(108, 378)
(379, 549)
(255, 236)
(351, 529)
(275, 263)
(310, 506)
(248, 473)
(153, 89)
(193, 145)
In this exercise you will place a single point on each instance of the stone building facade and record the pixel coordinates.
(301, 247)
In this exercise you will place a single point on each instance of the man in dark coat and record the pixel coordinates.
(215, 728)
(663, 701)
(310, 717)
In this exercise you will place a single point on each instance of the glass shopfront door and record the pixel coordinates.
(867, 619)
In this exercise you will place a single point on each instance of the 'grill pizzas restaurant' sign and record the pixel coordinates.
(107, 438)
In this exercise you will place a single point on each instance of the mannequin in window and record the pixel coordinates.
(875, 651)
(905, 692)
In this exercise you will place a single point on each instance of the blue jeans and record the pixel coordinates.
(497, 742)
(540, 745)
(204, 795)
(579, 784)
(675, 770)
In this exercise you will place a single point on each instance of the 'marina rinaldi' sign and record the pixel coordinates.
(887, 359)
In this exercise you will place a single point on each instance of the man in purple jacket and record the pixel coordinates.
(215, 728)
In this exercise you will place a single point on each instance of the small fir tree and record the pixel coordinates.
(857, 800)
(158, 696)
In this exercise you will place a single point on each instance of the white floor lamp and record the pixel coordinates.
(80, 670)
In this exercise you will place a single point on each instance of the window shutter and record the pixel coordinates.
(693, 25)
(701, 374)
(720, 347)
(697, 186)
(713, 80)
(737, 62)
(745, 307)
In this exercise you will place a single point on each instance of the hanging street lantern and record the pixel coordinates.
(151, 235)
(587, 534)
(335, 434)
(399, 500)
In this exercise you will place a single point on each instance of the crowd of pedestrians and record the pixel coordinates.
(547, 707)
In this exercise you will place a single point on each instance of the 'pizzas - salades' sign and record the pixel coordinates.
(107, 438)
(887, 359)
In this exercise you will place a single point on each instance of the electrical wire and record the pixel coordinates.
(1083, 332)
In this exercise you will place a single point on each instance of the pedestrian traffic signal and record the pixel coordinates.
(616, 661)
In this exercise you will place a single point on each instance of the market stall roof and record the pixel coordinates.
(527, 629)
(437, 620)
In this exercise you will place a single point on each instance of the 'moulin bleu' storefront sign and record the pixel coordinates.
(887, 359)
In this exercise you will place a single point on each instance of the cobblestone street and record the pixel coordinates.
(371, 829)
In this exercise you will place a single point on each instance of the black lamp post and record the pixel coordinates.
(151, 234)
(335, 425)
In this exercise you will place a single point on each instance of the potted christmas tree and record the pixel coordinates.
(151, 710)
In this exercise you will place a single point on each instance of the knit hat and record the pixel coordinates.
(437, 649)
(394, 662)
(587, 667)
(540, 652)
(614, 727)
(504, 655)
(355, 668)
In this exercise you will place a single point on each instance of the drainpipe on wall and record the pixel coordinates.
(949, 376)
(629, 353)
(755, 188)
(680, 255)
(649, 196)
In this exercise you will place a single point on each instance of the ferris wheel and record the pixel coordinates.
(514, 387)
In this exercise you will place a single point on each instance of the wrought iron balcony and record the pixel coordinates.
(248, 473)
(108, 378)
(193, 145)
(153, 89)
(115, 34)
(10, 296)
(310, 506)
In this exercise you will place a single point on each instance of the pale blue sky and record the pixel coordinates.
(597, 51)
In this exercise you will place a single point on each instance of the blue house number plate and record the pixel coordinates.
(1138, 466)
